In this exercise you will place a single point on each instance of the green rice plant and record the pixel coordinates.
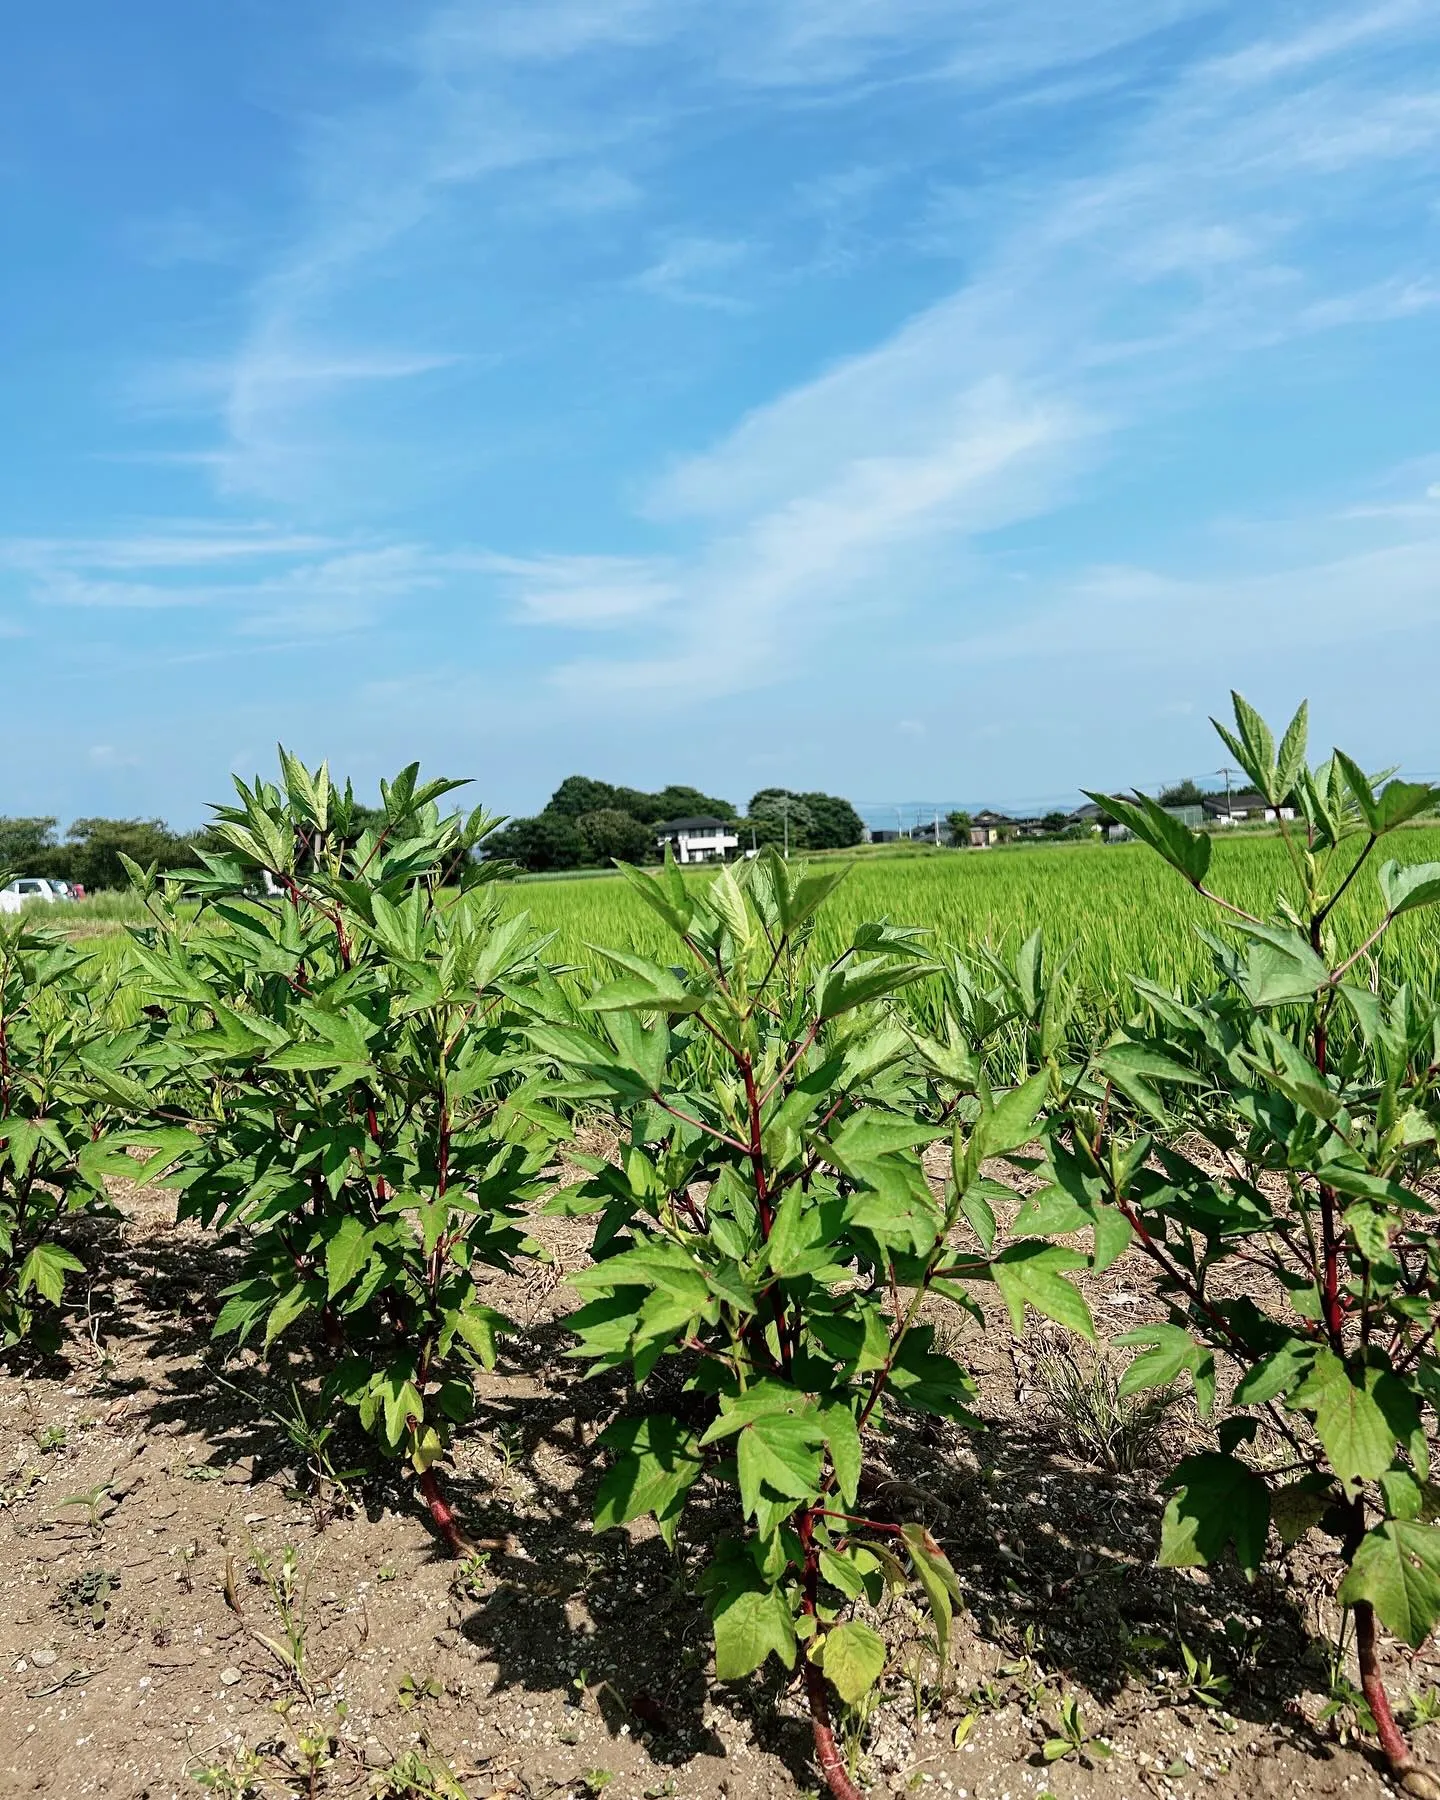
(1113, 903)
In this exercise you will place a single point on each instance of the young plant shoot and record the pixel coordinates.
(769, 1221)
(64, 1089)
(1298, 1248)
(345, 1006)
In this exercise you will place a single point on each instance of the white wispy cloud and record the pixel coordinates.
(545, 101)
(689, 270)
(259, 583)
(584, 591)
(1114, 300)
(1099, 294)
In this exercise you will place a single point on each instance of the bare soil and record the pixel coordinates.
(146, 1483)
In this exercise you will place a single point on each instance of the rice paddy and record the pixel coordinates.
(1122, 909)
(1118, 908)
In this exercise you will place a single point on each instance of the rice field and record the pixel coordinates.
(1122, 909)
(1118, 906)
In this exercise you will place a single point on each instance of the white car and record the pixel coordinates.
(27, 888)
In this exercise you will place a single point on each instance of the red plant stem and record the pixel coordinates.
(791, 1061)
(1392, 1739)
(755, 1148)
(440, 1511)
(1329, 1237)
(1172, 1269)
(827, 1752)
(756, 1152)
(828, 1512)
(1413, 1777)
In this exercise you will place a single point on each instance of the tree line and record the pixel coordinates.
(589, 824)
(585, 824)
(89, 852)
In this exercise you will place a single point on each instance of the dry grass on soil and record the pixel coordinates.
(143, 1647)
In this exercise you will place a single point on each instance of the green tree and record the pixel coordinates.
(756, 830)
(783, 807)
(95, 850)
(689, 803)
(958, 824)
(834, 823)
(580, 794)
(25, 845)
(548, 841)
(1183, 793)
(644, 807)
(614, 836)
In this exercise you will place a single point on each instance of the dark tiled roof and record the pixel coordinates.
(670, 827)
(1247, 802)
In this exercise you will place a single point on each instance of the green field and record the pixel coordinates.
(1119, 905)
(1121, 908)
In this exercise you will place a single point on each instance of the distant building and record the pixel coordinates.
(1238, 809)
(989, 827)
(698, 840)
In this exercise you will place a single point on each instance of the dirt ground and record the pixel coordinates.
(183, 1610)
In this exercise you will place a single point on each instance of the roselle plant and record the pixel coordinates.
(344, 1009)
(65, 1090)
(770, 1223)
(1273, 1148)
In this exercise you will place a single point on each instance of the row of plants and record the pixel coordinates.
(372, 1079)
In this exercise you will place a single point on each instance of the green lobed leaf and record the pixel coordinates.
(1409, 886)
(44, 1270)
(1218, 1501)
(1361, 1411)
(1010, 1121)
(1172, 1353)
(346, 1253)
(750, 1623)
(1184, 849)
(1397, 1569)
(1029, 1274)
(852, 1656)
(657, 1462)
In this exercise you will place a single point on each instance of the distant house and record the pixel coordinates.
(876, 836)
(698, 840)
(1238, 809)
(1092, 818)
(989, 827)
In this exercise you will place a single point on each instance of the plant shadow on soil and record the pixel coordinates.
(1055, 1560)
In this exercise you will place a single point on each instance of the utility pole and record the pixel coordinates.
(1227, 772)
(937, 827)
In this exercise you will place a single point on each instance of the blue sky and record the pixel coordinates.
(949, 398)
